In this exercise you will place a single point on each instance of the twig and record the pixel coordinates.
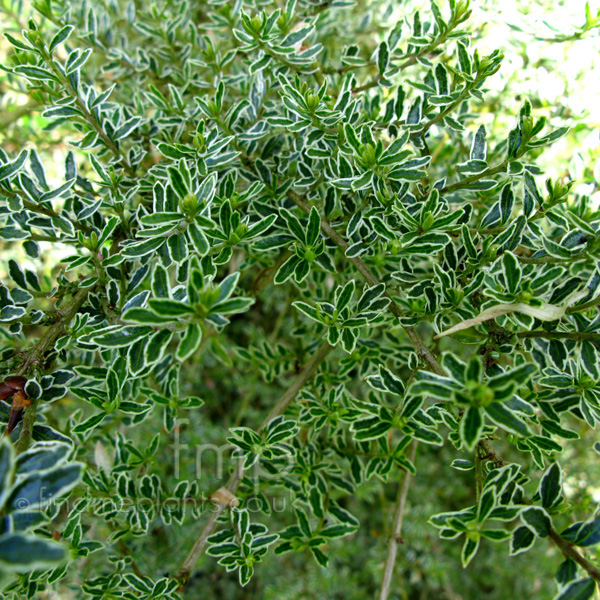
(396, 537)
(569, 551)
(558, 335)
(38, 208)
(126, 551)
(38, 354)
(544, 260)
(89, 117)
(480, 454)
(422, 350)
(585, 306)
(413, 58)
(473, 178)
(491, 455)
(439, 117)
(305, 375)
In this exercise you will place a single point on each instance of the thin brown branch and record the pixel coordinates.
(38, 354)
(420, 346)
(42, 210)
(89, 117)
(569, 551)
(236, 477)
(396, 537)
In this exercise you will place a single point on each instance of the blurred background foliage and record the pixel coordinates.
(552, 57)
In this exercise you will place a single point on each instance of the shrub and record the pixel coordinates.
(282, 269)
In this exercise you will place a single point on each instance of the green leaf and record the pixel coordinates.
(160, 282)
(145, 317)
(61, 36)
(345, 295)
(38, 488)
(107, 231)
(208, 187)
(507, 419)
(369, 295)
(260, 227)
(23, 553)
(507, 202)
(383, 58)
(370, 429)
(589, 359)
(90, 423)
(337, 531)
(7, 467)
(583, 534)
(471, 427)
(232, 306)
(519, 375)
(119, 337)
(349, 338)
(308, 310)
(550, 489)
(320, 557)
(469, 550)
(314, 227)
(351, 137)
(303, 523)
(537, 519)
(40, 457)
(11, 168)
(177, 248)
(126, 128)
(478, 147)
(462, 465)
(19, 44)
(190, 342)
(496, 535)
(566, 572)
(157, 346)
(512, 272)
(36, 73)
(165, 307)
(441, 75)
(415, 114)
(390, 382)
(178, 182)
(286, 270)
(161, 218)
(294, 225)
(143, 248)
(134, 408)
(424, 434)
(135, 356)
(76, 59)
(225, 214)
(198, 239)
(581, 589)
(487, 503)
(227, 286)
(522, 540)
(402, 174)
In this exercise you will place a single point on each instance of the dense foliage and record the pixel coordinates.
(279, 288)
